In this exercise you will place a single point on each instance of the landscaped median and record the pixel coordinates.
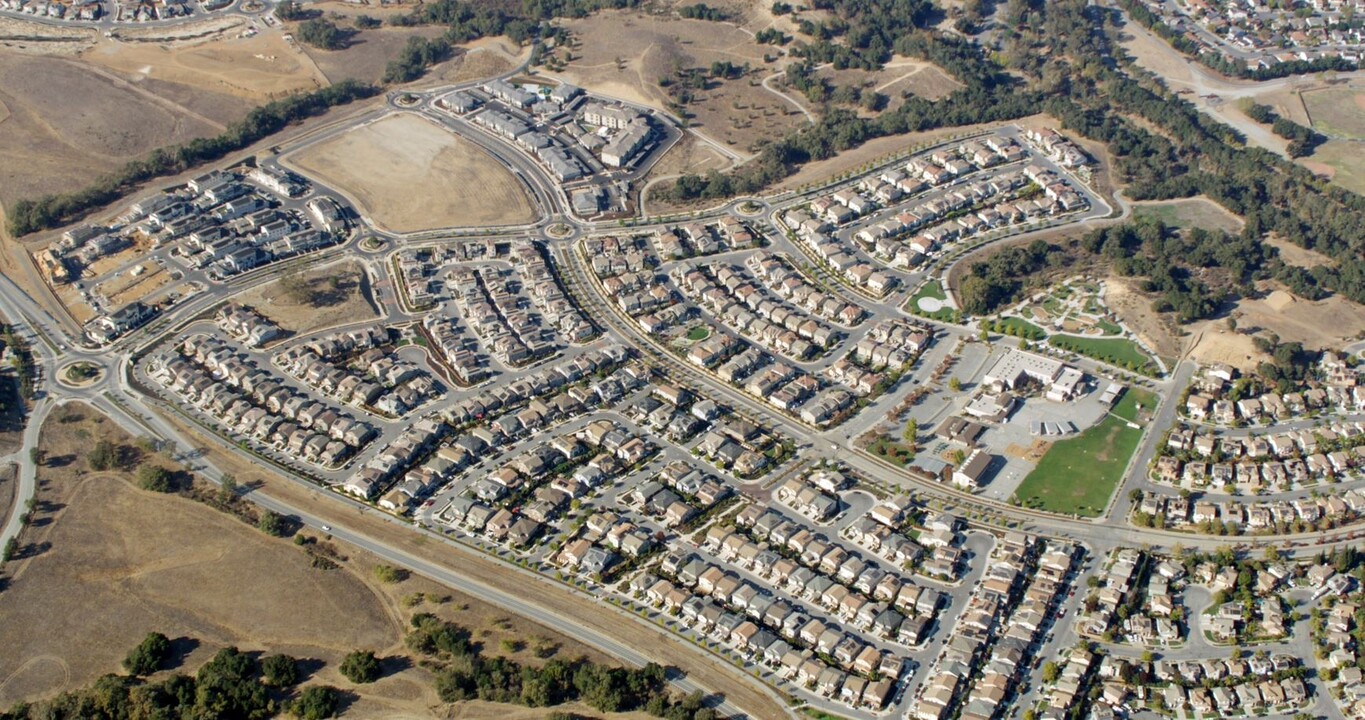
(1077, 476)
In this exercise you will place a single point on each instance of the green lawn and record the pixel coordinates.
(1077, 476)
(1018, 327)
(1121, 352)
(700, 332)
(933, 289)
(1108, 328)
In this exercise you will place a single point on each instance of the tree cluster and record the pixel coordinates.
(323, 34)
(228, 686)
(462, 673)
(702, 11)
(999, 280)
(149, 655)
(418, 54)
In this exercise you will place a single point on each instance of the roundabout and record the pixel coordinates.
(80, 374)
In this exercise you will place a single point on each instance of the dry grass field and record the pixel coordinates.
(1337, 111)
(901, 75)
(367, 55)
(115, 562)
(741, 113)
(342, 296)
(407, 173)
(1322, 324)
(1296, 255)
(625, 54)
(1341, 160)
(51, 143)
(39, 38)
(1194, 212)
(480, 59)
(256, 68)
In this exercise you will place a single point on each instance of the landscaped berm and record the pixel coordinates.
(1079, 475)
(409, 174)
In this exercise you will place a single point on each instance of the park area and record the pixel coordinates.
(1073, 316)
(930, 301)
(408, 174)
(1119, 352)
(1079, 475)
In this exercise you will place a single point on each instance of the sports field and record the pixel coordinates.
(1077, 476)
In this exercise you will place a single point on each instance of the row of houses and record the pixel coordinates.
(247, 326)
(697, 239)
(730, 295)
(358, 367)
(488, 299)
(795, 649)
(1254, 516)
(1252, 473)
(826, 571)
(998, 631)
(253, 403)
(780, 276)
(836, 256)
(547, 292)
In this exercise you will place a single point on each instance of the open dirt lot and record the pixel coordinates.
(1134, 310)
(62, 124)
(1214, 343)
(340, 292)
(256, 68)
(1323, 324)
(407, 174)
(668, 650)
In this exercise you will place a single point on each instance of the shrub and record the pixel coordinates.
(149, 655)
(361, 666)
